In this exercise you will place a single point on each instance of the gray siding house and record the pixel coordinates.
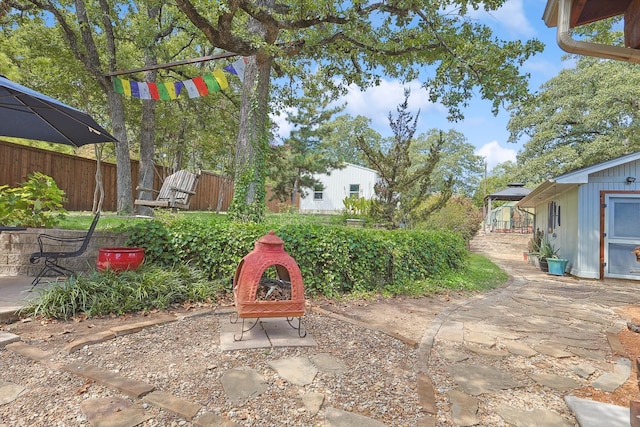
(592, 215)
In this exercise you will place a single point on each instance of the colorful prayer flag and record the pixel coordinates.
(191, 88)
(221, 79)
(117, 86)
(195, 87)
(178, 86)
(143, 87)
(135, 91)
(212, 83)
(201, 85)
(163, 92)
(126, 87)
(237, 68)
(153, 90)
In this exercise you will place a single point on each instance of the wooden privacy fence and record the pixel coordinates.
(76, 176)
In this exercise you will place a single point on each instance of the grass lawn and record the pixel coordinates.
(111, 220)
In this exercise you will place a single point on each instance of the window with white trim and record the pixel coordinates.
(354, 190)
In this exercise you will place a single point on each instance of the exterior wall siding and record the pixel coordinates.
(578, 236)
(588, 244)
(611, 179)
(336, 188)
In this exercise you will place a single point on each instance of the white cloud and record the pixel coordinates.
(284, 127)
(376, 102)
(510, 17)
(494, 154)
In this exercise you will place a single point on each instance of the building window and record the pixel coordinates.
(317, 195)
(354, 190)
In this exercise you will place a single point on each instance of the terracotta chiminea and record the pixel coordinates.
(268, 252)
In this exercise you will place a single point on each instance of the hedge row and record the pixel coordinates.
(332, 259)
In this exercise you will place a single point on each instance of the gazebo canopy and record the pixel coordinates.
(514, 192)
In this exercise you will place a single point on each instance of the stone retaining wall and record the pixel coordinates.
(17, 246)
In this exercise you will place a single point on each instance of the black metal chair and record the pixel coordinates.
(51, 259)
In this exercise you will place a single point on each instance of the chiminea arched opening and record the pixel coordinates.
(268, 283)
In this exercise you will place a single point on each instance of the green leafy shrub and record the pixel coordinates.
(35, 203)
(333, 259)
(156, 240)
(358, 206)
(458, 215)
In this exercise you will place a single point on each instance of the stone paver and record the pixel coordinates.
(173, 404)
(327, 362)
(312, 401)
(536, 418)
(610, 381)
(478, 379)
(339, 418)
(583, 370)
(296, 370)
(452, 355)
(558, 320)
(9, 392)
(127, 386)
(426, 395)
(488, 352)
(33, 353)
(113, 412)
(96, 338)
(520, 349)
(276, 332)
(452, 331)
(596, 414)
(557, 382)
(553, 349)
(463, 408)
(283, 334)
(242, 384)
(8, 338)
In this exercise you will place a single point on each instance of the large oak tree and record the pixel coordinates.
(583, 116)
(353, 43)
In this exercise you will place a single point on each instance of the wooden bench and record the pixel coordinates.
(176, 190)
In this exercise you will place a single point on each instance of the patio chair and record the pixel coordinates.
(52, 258)
(176, 190)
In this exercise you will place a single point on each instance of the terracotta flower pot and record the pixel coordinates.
(119, 259)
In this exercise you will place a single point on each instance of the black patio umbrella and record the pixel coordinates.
(25, 113)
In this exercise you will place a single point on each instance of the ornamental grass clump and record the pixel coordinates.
(102, 293)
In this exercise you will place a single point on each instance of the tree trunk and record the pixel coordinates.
(249, 186)
(98, 192)
(146, 171)
(123, 162)
(294, 192)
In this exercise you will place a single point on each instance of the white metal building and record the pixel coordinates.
(592, 215)
(352, 180)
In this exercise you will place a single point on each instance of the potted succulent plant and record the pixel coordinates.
(546, 251)
(533, 247)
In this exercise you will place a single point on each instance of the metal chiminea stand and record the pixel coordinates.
(257, 297)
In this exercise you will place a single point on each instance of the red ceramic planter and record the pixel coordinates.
(119, 259)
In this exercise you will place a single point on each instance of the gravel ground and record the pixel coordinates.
(184, 359)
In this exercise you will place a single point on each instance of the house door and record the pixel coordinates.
(622, 236)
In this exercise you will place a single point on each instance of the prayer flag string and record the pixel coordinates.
(198, 86)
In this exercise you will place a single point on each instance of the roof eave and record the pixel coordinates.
(550, 15)
(545, 192)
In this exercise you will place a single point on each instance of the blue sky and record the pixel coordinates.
(516, 20)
